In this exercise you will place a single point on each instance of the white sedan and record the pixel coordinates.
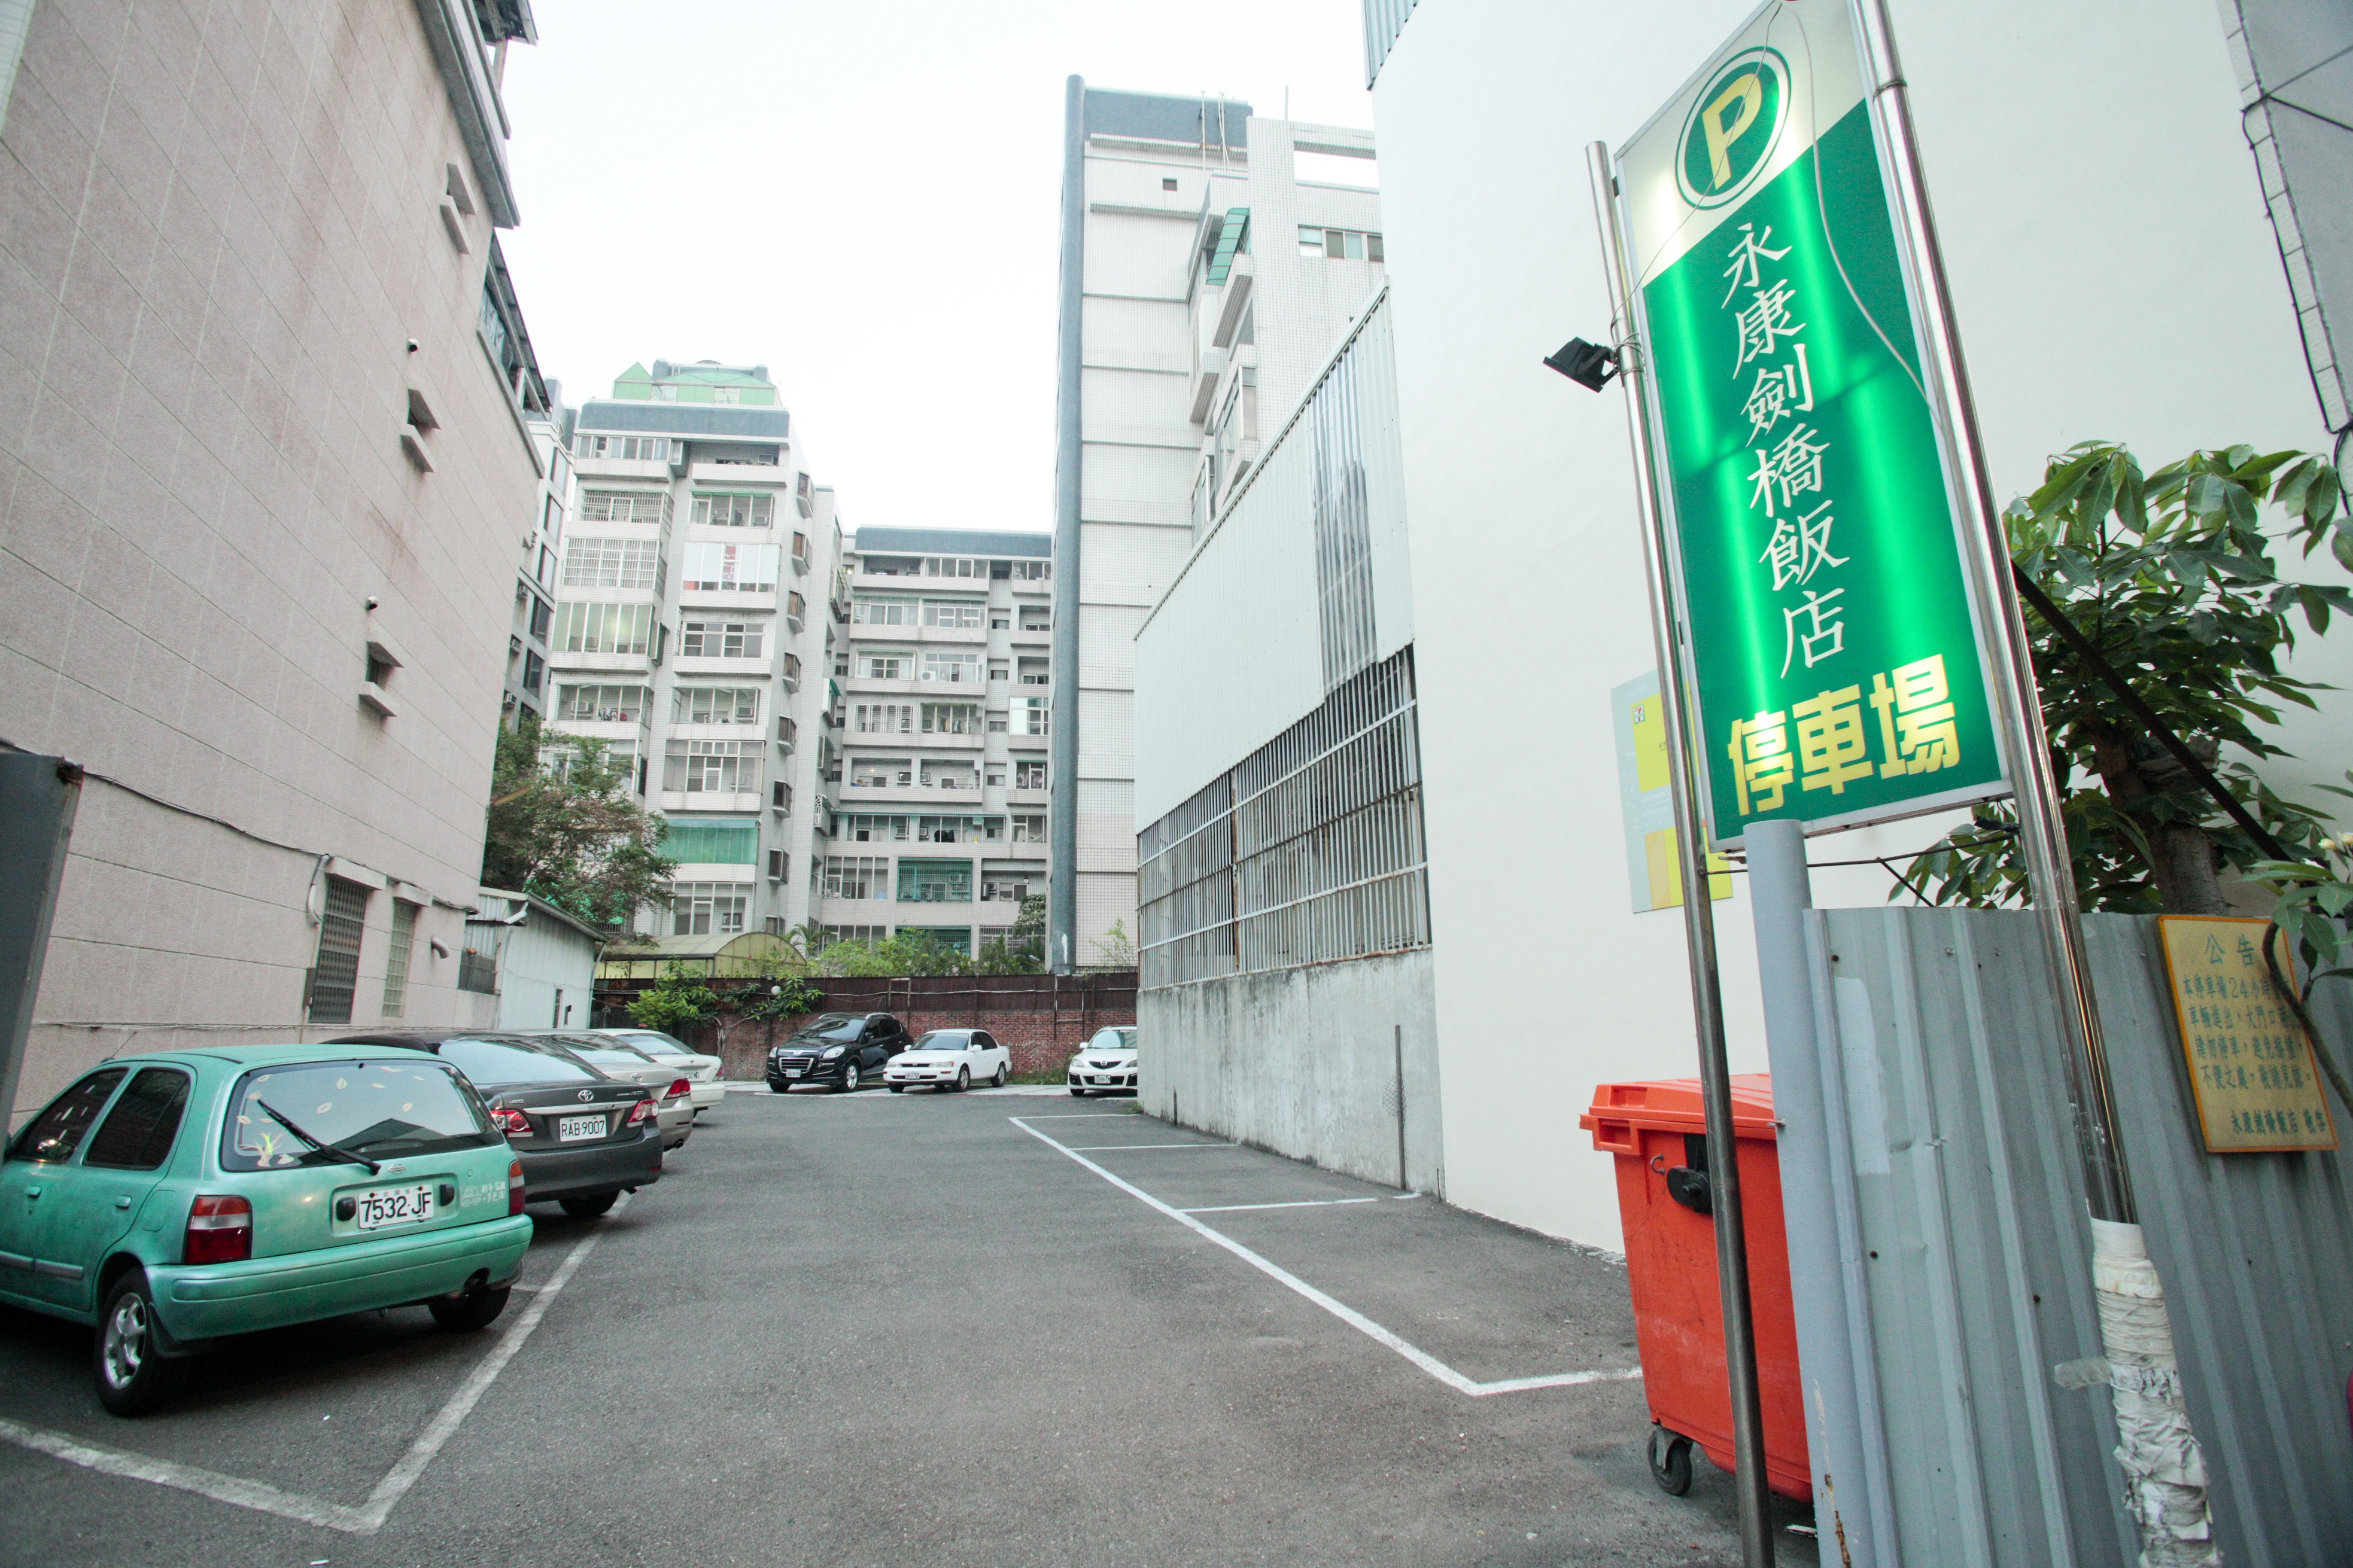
(1107, 1065)
(700, 1072)
(950, 1058)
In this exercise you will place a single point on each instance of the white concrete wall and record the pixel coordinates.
(1305, 1062)
(2116, 277)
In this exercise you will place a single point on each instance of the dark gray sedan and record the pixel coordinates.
(839, 1050)
(584, 1137)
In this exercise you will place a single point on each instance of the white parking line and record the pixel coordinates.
(1120, 1148)
(1346, 1314)
(1302, 1204)
(369, 1517)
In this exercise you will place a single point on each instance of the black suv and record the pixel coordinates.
(840, 1050)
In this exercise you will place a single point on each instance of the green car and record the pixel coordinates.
(178, 1198)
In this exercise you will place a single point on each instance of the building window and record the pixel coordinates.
(866, 829)
(951, 719)
(934, 882)
(854, 933)
(335, 972)
(1029, 829)
(1030, 715)
(592, 562)
(883, 612)
(886, 667)
(395, 963)
(882, 773)
(960, 829)
(627, 448)
(720, 639)
(996, 723)
(856, 877)
(1029, 775)
(1032, 571)
(715, 705)
(780, 866)
(602, 628)
(1009, 883)
(735, 511)
(885, 718)
(711, 767)
(952, 669)
(956, 613)
(1037, 618)
(730, 568)
(712, 841)
(706, 909)
(600, 704)
(1339, 244)
(954, 567)
(625, 506)
(533, 668)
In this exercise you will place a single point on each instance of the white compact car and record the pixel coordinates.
(1107, 1065)
(700, 1072)
(950, 1058)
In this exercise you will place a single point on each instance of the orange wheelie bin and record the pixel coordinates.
(1657, 1131)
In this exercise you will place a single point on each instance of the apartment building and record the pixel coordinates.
(691, 630)
(940, 797)
(266, 459)
(1211, 261)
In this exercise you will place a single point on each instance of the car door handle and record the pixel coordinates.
(32, 1192)
(121, 1203)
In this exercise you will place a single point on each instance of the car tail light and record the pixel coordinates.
(220, 1230)
(678, 1087)
(510, 1122)
(641, 1113)
(514, 1187)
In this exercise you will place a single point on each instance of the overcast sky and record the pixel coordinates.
(862, 197)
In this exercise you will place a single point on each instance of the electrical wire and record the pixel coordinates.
(321, 856)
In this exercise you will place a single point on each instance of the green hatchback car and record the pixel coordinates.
(175, 1199)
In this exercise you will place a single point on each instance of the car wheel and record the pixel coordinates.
(590, 1207)
(999, 1081)
(963, 1079)
(849, 1079)
(1078, 1093)
(132, 1375)
(898, 1089)
(776, 1087)
(478, 1308)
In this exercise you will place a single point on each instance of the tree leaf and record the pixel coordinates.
(2315, 608)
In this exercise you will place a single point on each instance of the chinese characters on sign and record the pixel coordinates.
(1819, 573)
(2249, 1066)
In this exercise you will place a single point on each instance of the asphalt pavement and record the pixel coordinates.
(998, 1329)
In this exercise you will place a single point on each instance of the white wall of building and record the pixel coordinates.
(2116, 277)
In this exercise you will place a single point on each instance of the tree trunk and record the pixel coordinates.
(2185, 875)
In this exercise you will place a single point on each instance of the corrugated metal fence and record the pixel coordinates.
(1979, 1254)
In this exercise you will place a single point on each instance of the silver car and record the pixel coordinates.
(618, 1058)
(700, 1070)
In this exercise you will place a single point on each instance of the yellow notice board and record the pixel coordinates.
(2257, 1086)
(1653, 869)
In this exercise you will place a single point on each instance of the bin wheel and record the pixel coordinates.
(1671, 1464)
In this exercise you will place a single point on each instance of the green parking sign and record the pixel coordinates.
(1817, 558)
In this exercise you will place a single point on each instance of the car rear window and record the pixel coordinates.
(608, 1051)
(380, 1108)
(849, 1030)
(494, 1063)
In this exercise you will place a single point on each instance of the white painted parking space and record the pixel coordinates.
(1290, 1281)
(366, 1518)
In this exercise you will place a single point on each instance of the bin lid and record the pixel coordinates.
(1673, 1105)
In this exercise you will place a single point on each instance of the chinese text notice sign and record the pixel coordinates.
(1817, 564)
(2257, 1086)
(1653, 861)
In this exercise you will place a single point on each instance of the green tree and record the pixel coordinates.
(675, 1004)
(1115, 949)
(2172, 576)
(902, 952)
(571, 836)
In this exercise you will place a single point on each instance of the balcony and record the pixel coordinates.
(745, 801)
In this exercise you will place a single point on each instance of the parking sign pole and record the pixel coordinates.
(1699, 916)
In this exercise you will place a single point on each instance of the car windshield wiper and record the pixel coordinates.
(325, 1148)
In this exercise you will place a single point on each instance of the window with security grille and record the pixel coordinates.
(711, 767)
(865, 829)
(706, 909)
(721, 640)
(601, 704)
(1028, 776)
(951, 719)
(856, 877)
(627, 448)
(960, 829)
(335, 973)
(934, 882)
(952, 669)
(884, 717)
(964, 614)
(593, 563)
(625, 506)
(716, 705)
(735, 511)
(395, 963)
